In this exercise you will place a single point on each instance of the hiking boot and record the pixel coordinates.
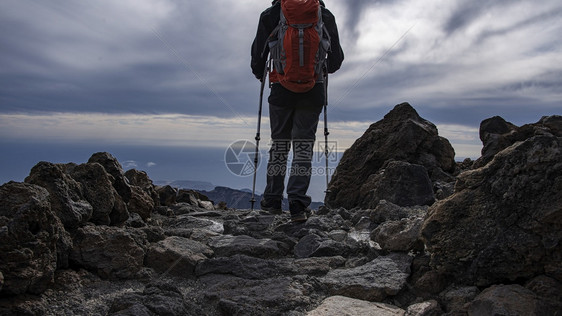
(298, 212)
(271, 206)
(299, 218)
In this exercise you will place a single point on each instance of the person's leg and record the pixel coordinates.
(281, 122)
(305, 123)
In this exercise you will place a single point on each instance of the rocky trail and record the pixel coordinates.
(409, 231)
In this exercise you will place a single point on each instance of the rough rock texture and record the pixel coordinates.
(341, 305)
(429, 308)
(110, 252)
(510, 300)
(400, 235)
(401, 136)
(65, 194)
(493, 245)
(141, 203)
(113, 167)
(400, 183)
(177, 255)
(507, 217)
(108, 206)
(497, 134)
(29, 232)
(373, 281)
(141, 180)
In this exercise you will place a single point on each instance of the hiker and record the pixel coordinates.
(293, 115)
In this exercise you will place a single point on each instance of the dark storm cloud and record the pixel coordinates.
(68, 57)
(193, 58)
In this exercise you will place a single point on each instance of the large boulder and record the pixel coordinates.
(110, 252)
(373, 281)
(511, 300)
(140, 179)
(108, 206)
(29, 233)
(400, 183)
(504, 222)
(113, 167)
(65, 194)
(401, 136)
(497, 134)
(177, 256)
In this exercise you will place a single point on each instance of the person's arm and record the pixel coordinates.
(335, 55)
(268, 20)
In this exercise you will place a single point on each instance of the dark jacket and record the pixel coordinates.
(269, 19)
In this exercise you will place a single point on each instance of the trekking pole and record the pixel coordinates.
(326, 132)
(258, 137)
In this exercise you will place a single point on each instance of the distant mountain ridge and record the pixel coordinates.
(234, 198)
(187, 184)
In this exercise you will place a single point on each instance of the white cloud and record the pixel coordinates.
(128, 164)
(150, 164)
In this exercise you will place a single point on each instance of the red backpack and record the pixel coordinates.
(298, 45)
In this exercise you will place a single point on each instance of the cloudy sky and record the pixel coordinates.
(172, 77)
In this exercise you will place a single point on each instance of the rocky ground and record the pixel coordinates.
(424, 235)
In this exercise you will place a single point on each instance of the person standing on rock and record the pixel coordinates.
(294, 111)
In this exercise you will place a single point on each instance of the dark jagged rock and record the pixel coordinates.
(400, 183)
(497, 134)
(113, 167)
(506, 217)
(177, 256)
(277, 296)
(501, 224)
(110, 252)
(228, 245)
(253, 268)
(402, 235)
(65, 194)
(29, 233)
(167, 195)
(155, 299)
(373, 281)
(511, 299)
(140, 179)
(456, 298)
(315, 246)
(108, 206)
(140, 203)
(401, 136)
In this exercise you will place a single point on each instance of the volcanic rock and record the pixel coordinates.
(65, 194)
(401, 136)
(373, 281)
(140, 179)
(400, 235)
(506, 215)
(497, 134)
(176, 255)
(108, 206)
(29, 233)
(110, 252)
(341, 305)
(113, 167)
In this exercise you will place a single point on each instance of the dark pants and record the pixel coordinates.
(291, 125)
